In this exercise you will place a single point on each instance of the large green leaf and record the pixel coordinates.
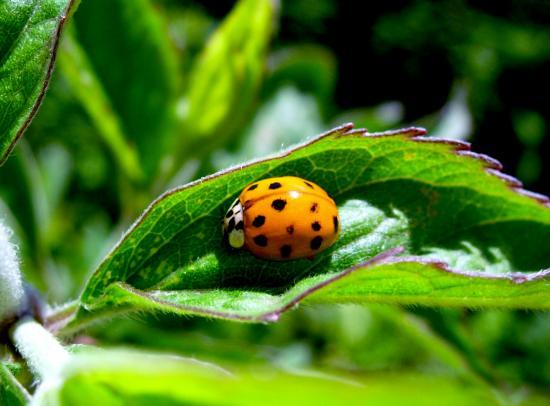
(29, 34)
(117, 377)
(424, 221)
(132, 66)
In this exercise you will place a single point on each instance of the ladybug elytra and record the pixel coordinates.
(282, 218)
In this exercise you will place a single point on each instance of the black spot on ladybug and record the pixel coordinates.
(314, 207)
(261, 240)
(316, 242)
(286, 250)
(275, 185)
(229, 214)
(240, 225)
(258, 221)
(290, 229)
(254, 186)
(335, 221)
(278, 204)
(316, 226)
(235, 204)
(231, 225)
(309, 184)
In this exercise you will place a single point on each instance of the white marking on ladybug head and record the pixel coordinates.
(233, 225)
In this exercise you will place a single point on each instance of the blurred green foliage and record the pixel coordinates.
(114, 131)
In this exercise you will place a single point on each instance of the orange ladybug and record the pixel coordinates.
(282, 218)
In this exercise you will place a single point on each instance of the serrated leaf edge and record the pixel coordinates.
(416, 134)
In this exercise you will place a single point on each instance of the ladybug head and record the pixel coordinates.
(233, 225)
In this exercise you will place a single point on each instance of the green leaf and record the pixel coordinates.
(407, 280)
(29, 34)
(88, 89)
(122, 377)
(11, 391)
(432, 222)
(126, 48)
(354, 333)
(226, 76)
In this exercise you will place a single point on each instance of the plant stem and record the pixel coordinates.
(59, 316)
(43, 353)
(62, 321)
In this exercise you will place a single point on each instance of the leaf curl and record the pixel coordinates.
(454, 219)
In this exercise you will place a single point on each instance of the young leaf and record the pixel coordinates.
(123, 377)
(283, 120)
(87, 88)
(225, 78)
(29, 34)
(129, 51)
(398, 192)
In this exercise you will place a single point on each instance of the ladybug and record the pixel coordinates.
(281, 219)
